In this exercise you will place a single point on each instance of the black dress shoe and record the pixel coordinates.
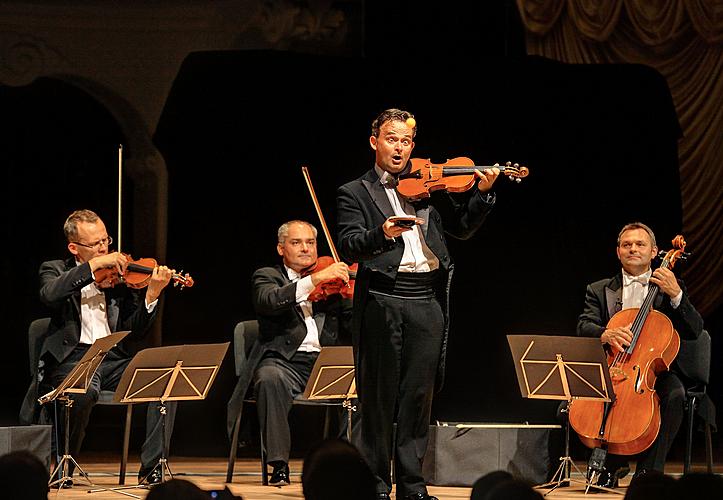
(68, 483)
(150, 476)
(280, 476)
(607, 480)
(641, 473)
(420, 496)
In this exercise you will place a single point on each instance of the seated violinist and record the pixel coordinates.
(292, 330)
(636, 248)
(83, 312)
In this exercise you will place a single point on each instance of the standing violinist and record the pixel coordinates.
(83, 312)
(292, 330)
(636, 249)
(400, 317)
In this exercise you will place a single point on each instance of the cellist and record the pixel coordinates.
(636, 248)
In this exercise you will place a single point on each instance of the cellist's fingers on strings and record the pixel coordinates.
(618, 338)
(665, 279)
(487, 177)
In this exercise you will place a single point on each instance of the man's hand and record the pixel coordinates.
(486, 178)
(160, 278)
(112, 260)
(393, 230)
(337, 270)
(618, 338)
(665, 279)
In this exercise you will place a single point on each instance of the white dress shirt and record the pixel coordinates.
(417, 257)
(635, 289)
(304, 287)
(94, 313)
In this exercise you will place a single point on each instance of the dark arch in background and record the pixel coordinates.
(53, 140)
(237, 127)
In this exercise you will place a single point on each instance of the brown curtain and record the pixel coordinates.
(683, 40)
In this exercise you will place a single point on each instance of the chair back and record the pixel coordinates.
(36, 332)
(244, 337)
(694, 358)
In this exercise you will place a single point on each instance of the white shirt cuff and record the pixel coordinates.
(150, 307)
(303, 288)
(675, 301)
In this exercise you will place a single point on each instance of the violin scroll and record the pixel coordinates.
(515, 172)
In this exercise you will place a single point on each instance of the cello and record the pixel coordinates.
(629, 424)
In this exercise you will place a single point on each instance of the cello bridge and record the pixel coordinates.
(617, 374)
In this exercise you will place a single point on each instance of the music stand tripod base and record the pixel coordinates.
(562, 368)
(161, 374)
(67, 458)
(77, 382)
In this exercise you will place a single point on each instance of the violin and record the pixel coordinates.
(629, 424)
(138, 272)
(138, 275)
(327, 288)
(456, 176)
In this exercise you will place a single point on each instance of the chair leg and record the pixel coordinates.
(709, 448)
(264, 459)
(689, 435)
(233, 451)
(126, 445)
(327, 418)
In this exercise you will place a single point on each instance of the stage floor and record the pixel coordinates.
(210, 473)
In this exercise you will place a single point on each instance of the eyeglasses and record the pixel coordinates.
(104, 242)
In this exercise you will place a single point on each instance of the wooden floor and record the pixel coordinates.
(210, 473)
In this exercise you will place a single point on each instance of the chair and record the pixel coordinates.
(245, 336)
(694, 361)
(36, 332)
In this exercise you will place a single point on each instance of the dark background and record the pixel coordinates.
(600, 143)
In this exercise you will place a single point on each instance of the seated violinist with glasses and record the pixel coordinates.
(83, 311)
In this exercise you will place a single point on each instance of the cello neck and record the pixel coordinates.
(645, 308)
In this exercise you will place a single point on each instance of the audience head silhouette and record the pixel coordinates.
(335, 469)
(699, 485)
(485, 483)
(176, 489)
(652, 485)
(501, 485)
(23, 475)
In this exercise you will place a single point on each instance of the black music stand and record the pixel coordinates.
(332, 378)
(562, 368)
(77, 382)
(172, 373)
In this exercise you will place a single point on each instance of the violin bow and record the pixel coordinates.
(120, 191)
(307, 178)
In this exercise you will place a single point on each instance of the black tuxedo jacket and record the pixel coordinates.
(60, 284)
(362, 208)
(604, 298)
(282, 328)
